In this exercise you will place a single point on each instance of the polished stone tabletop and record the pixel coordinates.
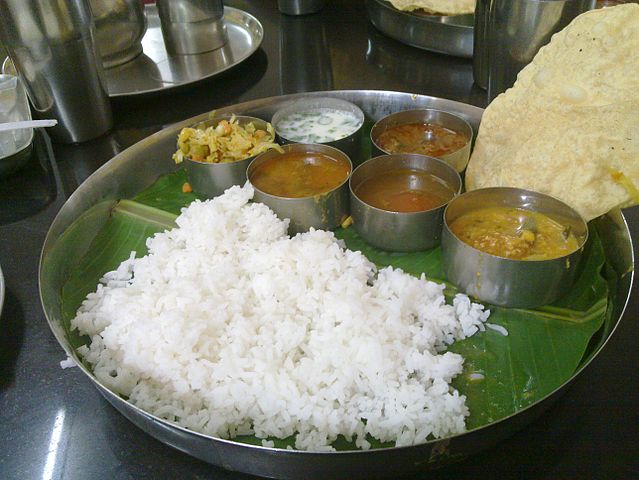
(55, 425)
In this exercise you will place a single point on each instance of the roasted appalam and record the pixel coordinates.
(444, 7)
(569, 127)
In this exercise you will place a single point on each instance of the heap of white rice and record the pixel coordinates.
(229, 327)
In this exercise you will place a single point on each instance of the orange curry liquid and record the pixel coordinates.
(404, 190)
(423, 138)
(300, 174)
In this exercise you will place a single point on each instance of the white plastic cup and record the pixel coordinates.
(14, 107)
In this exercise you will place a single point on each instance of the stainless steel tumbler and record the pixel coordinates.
(119, 26)
(509, 33)
(192, 26)
(52, 46)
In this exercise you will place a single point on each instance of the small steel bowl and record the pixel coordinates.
(325, 211)
(211, 179)
(14, 106)
(350, 145)
(400, 231)
(458, 159)
(503, 281)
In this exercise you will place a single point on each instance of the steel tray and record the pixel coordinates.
(137, 167)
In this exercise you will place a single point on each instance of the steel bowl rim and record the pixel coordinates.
(407, 214)
(292, 146)
(468, 126)
(289, 109)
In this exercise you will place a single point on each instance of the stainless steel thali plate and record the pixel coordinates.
(156, 70)
(88, 209)
(451, 35)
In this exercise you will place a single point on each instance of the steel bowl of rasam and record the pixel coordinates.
(325, 120)
(425, 131)
(217, 152)
(305, 183)
(398, 201)
(512, 247)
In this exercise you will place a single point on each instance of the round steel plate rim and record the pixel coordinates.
(622, 311)
(63, 219)
(232, 15)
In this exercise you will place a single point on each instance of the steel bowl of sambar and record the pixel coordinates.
(512, 247)
(398, 201)
(424, 131)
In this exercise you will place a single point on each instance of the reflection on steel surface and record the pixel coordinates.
(119, 28)
(451, 35)
(192, 26)
(304, 39)
(509, 35)
(156, 70)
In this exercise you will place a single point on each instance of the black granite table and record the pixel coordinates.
(55, 425)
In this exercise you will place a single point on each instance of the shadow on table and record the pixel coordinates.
(153, 111)
(142, 456)
(424, 71)
(32, 187)
(11, 337)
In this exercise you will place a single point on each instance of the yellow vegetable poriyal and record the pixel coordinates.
(226, 141)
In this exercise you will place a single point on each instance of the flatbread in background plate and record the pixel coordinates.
(569, 127)
(443, 7)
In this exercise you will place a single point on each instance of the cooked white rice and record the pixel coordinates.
(229, 327)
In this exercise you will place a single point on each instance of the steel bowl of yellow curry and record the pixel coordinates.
(512, 247)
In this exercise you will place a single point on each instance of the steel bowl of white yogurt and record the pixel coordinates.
(324, 120)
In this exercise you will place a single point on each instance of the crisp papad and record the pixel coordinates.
(443, 7)
(569, 127)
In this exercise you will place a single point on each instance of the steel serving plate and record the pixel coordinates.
(138, 167)
(156, 70)
(448, 34)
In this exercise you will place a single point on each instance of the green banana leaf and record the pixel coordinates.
(502, 374)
